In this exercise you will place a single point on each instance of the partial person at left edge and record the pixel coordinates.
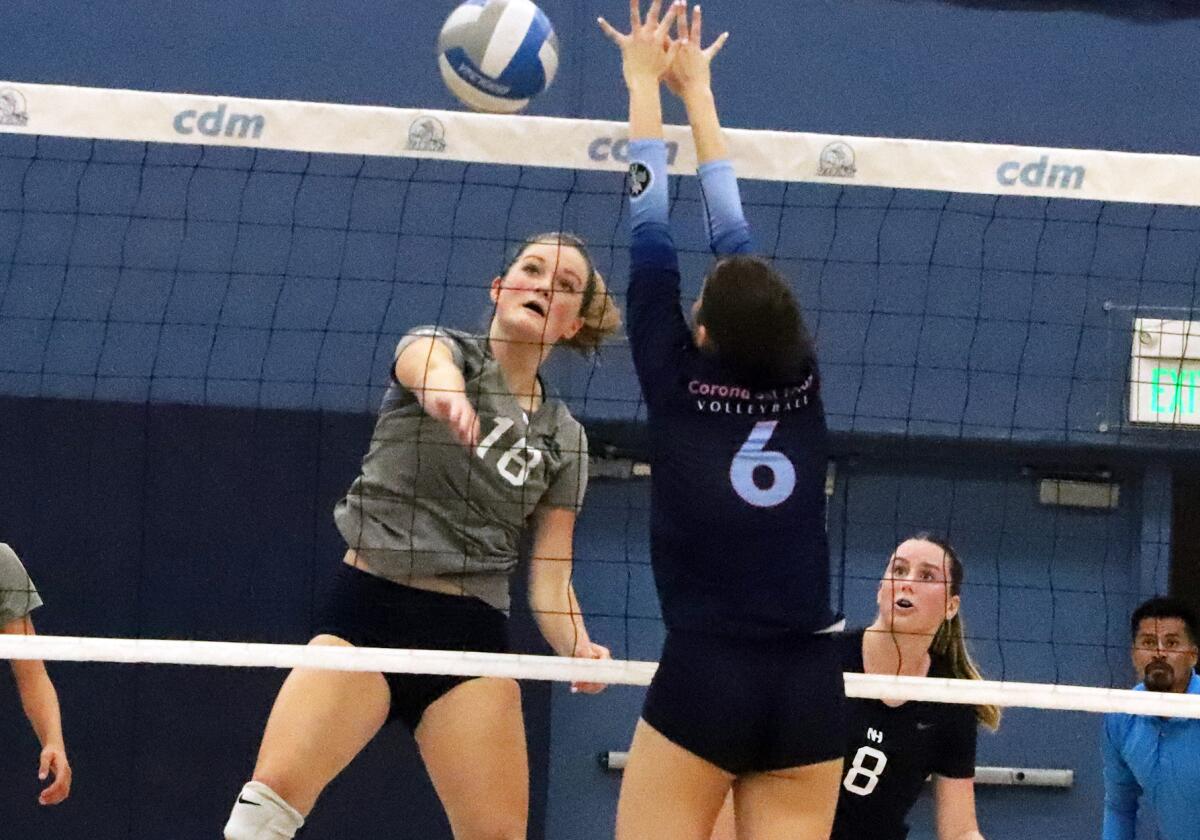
(19, 598)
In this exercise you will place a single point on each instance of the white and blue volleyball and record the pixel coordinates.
(496, 55)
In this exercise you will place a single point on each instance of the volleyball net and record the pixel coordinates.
(237, 273)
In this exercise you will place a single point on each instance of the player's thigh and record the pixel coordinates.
(793, 804)
(320, 721)
(668, 792)
(472, 740)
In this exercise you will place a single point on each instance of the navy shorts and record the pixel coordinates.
(369, 611)
(750, 706)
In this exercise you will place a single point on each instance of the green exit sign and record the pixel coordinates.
(1165, 373)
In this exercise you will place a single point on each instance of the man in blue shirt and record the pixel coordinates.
(1156, 759)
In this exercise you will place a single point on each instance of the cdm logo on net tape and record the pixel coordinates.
(1041, 173)
(617, 148)
(220, 121)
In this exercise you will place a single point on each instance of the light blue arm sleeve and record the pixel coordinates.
(1121, 789)
(728, 230)
(657, 330)
(648, 200)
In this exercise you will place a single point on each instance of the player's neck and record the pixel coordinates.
(520, 362)
(886, 651)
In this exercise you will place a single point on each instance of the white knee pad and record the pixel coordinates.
(262, 814)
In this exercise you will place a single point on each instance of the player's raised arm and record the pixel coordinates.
(646, 55)
(690, 78)
(657, 329)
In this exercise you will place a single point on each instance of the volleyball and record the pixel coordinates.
(496, 55)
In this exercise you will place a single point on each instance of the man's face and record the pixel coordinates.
(1163, 654)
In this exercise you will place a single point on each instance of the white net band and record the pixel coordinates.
(562, 669)
(96, 113)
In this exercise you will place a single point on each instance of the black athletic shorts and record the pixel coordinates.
(369, 611)
(750, 706)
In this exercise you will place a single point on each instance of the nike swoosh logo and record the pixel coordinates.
(924, 726)
(246, 801)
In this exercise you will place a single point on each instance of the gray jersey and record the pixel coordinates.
(18, 597)
(426, 506)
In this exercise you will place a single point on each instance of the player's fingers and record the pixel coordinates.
(56, 763)
(55, 793)
(664, 25)
(463, 429)
(652, 14)
(44, 763)
(612, 34)
(473, 430)
(590, 688)
(697, 24)
(465, 421)
(454, 419)
(635, 14)
(716, 45)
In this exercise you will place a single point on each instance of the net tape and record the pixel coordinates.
(535, 667)
(991, 169)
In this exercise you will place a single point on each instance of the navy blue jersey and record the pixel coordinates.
(738, 542)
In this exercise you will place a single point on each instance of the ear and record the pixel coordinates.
(572, 329)
(497, 285)
(953, 606)
(702, 339)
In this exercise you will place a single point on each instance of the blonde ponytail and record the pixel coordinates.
(601, 317)
(950, 644)
(950, 641)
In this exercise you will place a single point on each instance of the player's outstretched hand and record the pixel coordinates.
(692, 66)
(590, 650)
(648, 49)
(53, 762)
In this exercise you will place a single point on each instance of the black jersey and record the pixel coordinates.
(890, 751)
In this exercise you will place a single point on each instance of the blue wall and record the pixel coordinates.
(243, 284)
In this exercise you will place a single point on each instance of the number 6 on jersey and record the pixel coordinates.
(753, 455)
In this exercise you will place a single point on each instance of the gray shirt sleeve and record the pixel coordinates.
(18, 597)
(569, 484)
(444, 336)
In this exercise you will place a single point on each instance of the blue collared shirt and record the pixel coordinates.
(1158, 759)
